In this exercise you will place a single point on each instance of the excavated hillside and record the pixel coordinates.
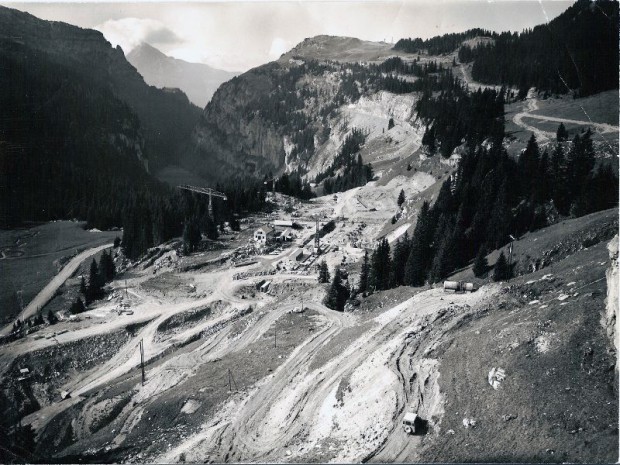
(294, 113)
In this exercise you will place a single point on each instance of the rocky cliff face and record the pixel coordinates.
(610, 319)
(281, 116)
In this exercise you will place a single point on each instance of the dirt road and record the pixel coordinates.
(354, 400)
(48, 291)
(545, 136)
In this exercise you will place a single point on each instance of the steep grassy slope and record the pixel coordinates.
(558, 401)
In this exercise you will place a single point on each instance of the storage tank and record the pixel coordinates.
(459, 286)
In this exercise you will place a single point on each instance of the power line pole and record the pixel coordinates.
(142, 359)
(231, 381)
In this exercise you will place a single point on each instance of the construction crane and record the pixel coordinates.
(206, 191)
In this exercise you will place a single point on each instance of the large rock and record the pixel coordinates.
(610, 319)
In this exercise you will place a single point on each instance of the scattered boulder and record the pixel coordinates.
(496, 376)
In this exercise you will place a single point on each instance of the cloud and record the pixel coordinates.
(278, 47)
(131, 32)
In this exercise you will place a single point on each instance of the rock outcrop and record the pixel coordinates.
(610, 319)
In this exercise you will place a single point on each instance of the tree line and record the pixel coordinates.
(492, 197)
(439, 45)
(577, 51)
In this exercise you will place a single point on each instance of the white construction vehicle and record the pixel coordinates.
(410, 421)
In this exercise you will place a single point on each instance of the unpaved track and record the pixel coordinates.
(545, 136)
(281, 412)
(284, 414)
(48, 291)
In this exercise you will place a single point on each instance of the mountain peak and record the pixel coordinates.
(197, 80)
(146, 49)
(338, 48)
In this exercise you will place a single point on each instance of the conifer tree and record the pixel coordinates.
(77, 306)
(480, 264)
(83, 289)
(337, 294)
(528, 164)
(95, 284)
(562, 133)
(443, 260)
(107, 268)
(415, 269)
(323, 272)
(211, 228)
(380, 266)
(191, 235)
(419, 258)
(498, 226)
(364, 275)
(399, 261)
(502, 270)
(559, 180)
(51, 318)
(580, 161)
(401, 198)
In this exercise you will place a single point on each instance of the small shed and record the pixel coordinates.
(283, 223)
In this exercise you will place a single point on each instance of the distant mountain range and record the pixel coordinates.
(198, 81)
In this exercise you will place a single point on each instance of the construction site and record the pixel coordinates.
(354, 253)
(229, 354)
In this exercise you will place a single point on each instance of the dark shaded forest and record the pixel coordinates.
(577, 51)
(491, 197)
(439, 45)
(69, 150)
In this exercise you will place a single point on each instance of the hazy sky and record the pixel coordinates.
(238, 35)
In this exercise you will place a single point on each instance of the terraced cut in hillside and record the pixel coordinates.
(233, 377)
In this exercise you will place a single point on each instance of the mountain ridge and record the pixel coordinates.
(197, 80)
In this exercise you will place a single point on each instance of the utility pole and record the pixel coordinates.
(142, 359)
(512, 239)
(316, 237)
(231, 381)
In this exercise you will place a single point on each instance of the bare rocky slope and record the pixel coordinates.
(293, 114)
(610, 320)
